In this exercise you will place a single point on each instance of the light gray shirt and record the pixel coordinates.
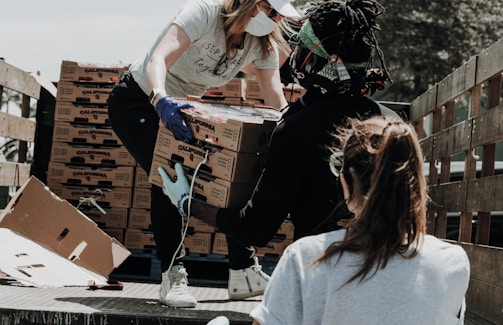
(196, 69)
(427, 289)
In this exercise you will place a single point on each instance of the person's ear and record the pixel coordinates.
(345, 187)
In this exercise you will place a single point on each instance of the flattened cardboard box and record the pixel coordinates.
(81, 113)
(234, 88)
(91, 155)
(84, 134)
(121, 176)
(106, 197)
(41, 222)
(238, 128)
(88, 93)
(91, 71)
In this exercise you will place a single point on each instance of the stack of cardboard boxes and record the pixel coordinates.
(89, 166)
(234, 140)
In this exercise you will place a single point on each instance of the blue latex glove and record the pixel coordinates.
(168, 110)
(178, 191)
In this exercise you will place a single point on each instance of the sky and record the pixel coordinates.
(37, 35)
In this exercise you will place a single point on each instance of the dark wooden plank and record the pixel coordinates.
(424, 104)
(488, 127)
(458, 82)
(490, 62)
(449, 197)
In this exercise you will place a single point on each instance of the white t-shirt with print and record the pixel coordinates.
(195, 70)
(427, 289)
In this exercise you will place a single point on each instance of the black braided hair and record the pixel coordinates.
(347, 28)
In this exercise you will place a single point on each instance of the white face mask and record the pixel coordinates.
(260, 25)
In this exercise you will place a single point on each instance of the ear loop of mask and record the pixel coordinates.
(333, 69)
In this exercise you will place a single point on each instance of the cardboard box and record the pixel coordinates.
(214, 191)
(139, 239)
(198, 243)
(286, 229)
(196, 225)
(141, 178)
(275, 247)
(141, 198)
(104, 197)
(85, 93)
(91, 72)
(234, 88)
(81, 113)
(253, 90)
(139, 218)
(112, 218)
(117, 233)
(91, 155)
(44, 238)
(219, 244)
(237, 128)
(239, 167)
(121, 176)
(84, 134)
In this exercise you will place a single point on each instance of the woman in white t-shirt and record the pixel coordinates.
(382, 267)
(206, 45)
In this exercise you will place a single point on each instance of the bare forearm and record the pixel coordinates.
(203, 211)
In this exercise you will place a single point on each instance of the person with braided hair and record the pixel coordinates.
(333, 60)
(382, 268)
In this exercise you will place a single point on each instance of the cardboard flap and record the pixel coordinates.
(32, 264)
(55, 224)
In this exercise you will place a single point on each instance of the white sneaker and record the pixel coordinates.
(246, 283)
(174, 291)
(220, 320)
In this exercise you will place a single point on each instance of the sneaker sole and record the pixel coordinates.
(178, 304)
(241, 296)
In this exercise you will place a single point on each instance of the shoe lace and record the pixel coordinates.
(179, 277)
(258, 269)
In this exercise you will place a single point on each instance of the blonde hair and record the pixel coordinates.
(236, 17)
(382, 165)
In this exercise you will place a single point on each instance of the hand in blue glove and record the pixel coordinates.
(178, 191)
(168, 110)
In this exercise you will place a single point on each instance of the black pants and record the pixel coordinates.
(136, 123)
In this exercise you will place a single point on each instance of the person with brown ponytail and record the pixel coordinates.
(382, 267)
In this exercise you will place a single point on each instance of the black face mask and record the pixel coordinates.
(314, 72)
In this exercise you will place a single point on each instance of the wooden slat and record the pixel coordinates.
(427, 148)
(452, 140)
(424, 104)
(481, 194)
(485, 292)
(457, 83)
(16, 79)
(16, 127)
(14, 174)
(449, 197)
(488, 127)
(490, 62)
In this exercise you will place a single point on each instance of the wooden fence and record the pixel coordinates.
(461, 118)
(17, 127)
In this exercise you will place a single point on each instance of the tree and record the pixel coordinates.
(423, 41)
